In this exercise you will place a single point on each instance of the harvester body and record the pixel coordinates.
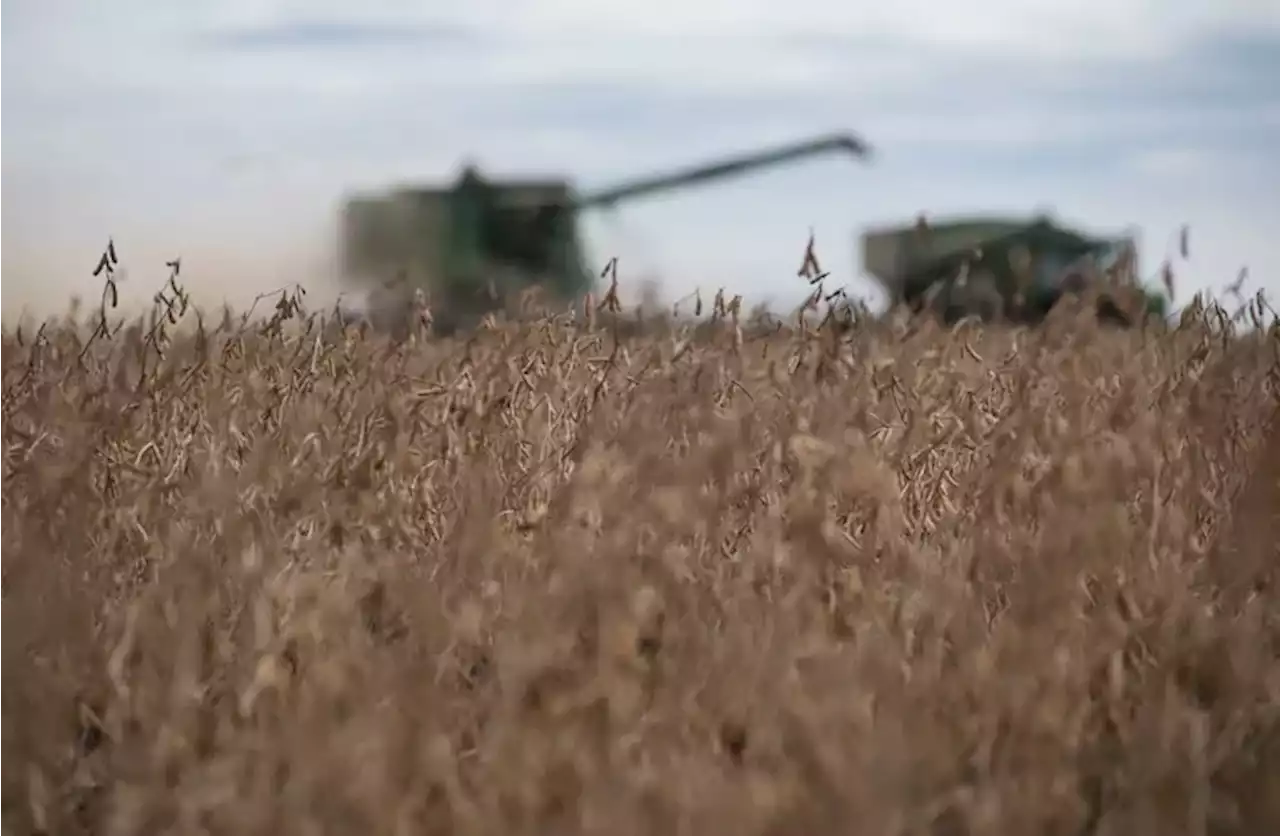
(478, 242)
(467, 246)
(1006, 268)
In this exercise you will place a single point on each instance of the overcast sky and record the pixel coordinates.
(226, 132)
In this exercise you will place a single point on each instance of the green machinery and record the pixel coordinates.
(1008, 268)
(471, 245)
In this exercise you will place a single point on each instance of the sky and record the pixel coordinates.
(228, 132)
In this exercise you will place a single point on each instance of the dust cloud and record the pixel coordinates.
(231, 250)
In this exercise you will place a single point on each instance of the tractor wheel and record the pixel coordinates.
(953, 313)
(1110, 313)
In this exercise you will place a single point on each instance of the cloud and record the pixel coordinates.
(314, 35)
(229, 131)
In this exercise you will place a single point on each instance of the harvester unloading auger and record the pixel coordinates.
(1010, 269)
(472, 245)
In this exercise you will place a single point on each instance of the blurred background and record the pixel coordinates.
(228, 132)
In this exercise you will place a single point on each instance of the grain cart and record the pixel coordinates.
(1006, 268)
(471, 245)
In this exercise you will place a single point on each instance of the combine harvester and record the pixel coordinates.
(474, 245)
(1009, 269)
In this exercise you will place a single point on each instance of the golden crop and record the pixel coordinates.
(551, 578)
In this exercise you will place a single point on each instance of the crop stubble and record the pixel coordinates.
(897, 580)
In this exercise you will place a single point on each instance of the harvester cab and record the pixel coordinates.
(472, 245)
(1006, 268)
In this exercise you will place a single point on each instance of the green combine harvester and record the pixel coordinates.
(1009, 269)
(474, 245)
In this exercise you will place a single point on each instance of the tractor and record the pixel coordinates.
(474, 245)
(1008, 269)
